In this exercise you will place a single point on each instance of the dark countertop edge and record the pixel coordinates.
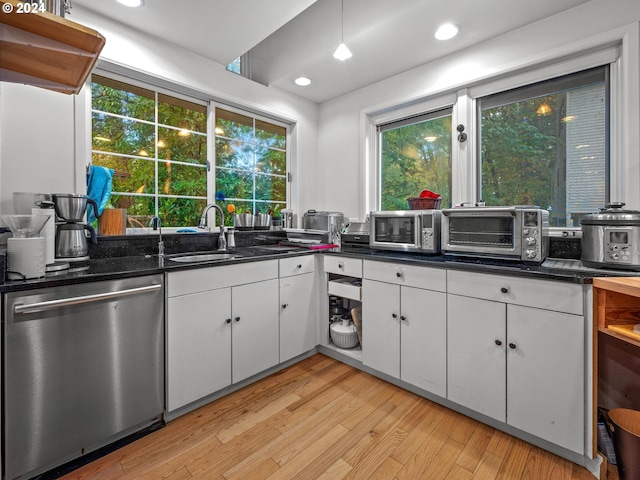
(126, 267)
(483, 265)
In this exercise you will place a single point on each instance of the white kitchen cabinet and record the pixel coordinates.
(404, 333)
(219, 336)
(516, 363)
(476, 355)
(198, 346)
(297, 315)
(545, 375)
(255, 334)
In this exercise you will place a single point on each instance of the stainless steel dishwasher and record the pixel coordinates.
(83, 366)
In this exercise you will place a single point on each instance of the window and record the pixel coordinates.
(157, 146)
(241, 65)
(547, 144)
(251, 163)
(415, 155)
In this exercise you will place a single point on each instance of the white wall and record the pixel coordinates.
(36, 142)
(37, 136)
(341, 153)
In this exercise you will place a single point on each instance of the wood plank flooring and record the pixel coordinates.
(322, 419)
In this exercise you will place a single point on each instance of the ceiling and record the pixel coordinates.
(290, 38)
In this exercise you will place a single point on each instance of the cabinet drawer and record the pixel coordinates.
(296, 265)
(546, 294)
(345, 287)
(409, 275)
(211, 278)
(351, 267)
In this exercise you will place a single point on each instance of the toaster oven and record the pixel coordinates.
(509, 232)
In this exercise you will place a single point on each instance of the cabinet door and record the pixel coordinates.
(381, 327)
(297, 316)
(423, 339)
(198, 346)
(255, 333)
(545, 375)
(476, 355)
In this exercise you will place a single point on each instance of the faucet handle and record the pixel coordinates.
(222, 242)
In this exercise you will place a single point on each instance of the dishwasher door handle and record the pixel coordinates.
(20, 308)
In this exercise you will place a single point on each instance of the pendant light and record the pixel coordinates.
(342, 52)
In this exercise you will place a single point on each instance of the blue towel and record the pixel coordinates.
(99, 184)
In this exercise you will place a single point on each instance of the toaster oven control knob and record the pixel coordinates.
(614, 256)
(525, 231)
(530, 254)
(530, 241)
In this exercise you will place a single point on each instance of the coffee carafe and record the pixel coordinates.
(71, 241)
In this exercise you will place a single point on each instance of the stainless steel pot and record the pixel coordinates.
(611, 238)
(243, 221)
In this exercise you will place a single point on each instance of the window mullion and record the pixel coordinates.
(157, 191)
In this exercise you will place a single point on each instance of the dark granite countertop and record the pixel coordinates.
(574, 273)
(146, 264)
(122, 257)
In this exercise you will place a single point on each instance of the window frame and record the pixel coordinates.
(373, 174)
(157, 91)
(408, 121)
(465, 155)
(557, 84)
(83, 108)
(256, 117)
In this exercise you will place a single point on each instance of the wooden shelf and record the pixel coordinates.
(617, 303)
(45, 50)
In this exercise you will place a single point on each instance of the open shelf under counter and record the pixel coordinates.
(617, 307)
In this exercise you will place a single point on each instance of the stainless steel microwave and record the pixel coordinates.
(405, 230)
(509, 232)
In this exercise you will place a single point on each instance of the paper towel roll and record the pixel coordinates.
(25, 257)
(48, 232)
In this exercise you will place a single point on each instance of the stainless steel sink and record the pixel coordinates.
(202, 257)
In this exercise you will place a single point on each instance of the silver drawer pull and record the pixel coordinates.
(21, 308)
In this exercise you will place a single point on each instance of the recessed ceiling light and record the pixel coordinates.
(302, 81)
(131, 3)
(447, 31)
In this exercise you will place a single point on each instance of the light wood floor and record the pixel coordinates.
(321, 419)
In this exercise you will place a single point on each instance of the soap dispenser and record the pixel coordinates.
(231, 239)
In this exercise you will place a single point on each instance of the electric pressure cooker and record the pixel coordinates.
(611, 238)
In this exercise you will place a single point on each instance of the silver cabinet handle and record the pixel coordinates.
(64, 302)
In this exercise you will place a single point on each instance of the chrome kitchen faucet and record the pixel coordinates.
(222, 242)
(157, 225)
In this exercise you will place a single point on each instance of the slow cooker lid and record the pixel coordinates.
(613, 214)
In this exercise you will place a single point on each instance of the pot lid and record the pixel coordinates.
(613, 214)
